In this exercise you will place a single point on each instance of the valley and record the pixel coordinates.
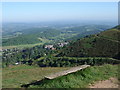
(59, 45)
(59, 50)
(49, 34)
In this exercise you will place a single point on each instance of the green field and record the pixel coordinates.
(21, 46)
(15, 76)
(26, 45)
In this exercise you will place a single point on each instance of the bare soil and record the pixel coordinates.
(110, 83)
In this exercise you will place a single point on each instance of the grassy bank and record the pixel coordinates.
(81, 79)
(15, 76)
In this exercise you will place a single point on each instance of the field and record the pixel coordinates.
(26, 45)
(15, 76)
(20, 46)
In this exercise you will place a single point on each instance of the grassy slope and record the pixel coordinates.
(81, 79)
(111, 34)
(15, 76)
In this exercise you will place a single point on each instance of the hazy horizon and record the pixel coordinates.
(60, 11)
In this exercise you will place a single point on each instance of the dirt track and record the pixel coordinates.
(111, 83)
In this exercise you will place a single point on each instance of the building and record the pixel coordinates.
(49, 47)
(62, 44)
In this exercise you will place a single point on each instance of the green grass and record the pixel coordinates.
(81, 79)
(26, 45)
(15, 76)
(21, 46)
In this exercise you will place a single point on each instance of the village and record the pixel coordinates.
(52, 47)
(6, 53)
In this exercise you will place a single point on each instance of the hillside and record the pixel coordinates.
(104, 44)
(83, 34)
(80, 79)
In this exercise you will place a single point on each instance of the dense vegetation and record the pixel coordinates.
(39, 56)
(104, 44)
(73, 61)
(11, 56)
(96, 46)
(80, 79)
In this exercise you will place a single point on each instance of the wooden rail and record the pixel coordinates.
(71, 70)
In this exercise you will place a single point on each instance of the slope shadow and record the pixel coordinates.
(34, 83)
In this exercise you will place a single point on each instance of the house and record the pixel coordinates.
(53, 48)
(16, 63)
(62, 44)
(48, 46)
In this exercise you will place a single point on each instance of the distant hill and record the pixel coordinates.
(104, 44)
(86, 30)
(31, 37)
(83, 34)
(35, 35)
(118, 27)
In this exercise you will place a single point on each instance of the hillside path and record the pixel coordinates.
(110, 83)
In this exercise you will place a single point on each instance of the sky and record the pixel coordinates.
(59, 11)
